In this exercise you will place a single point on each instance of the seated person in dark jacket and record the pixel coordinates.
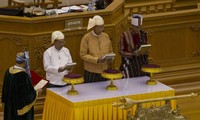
(102, 4)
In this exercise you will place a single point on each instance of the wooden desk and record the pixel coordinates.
(94, 102)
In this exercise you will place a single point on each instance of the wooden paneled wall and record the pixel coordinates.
(174, 35)
(175, 40)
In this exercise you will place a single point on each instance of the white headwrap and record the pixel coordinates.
(96, 20)
(136, 19)
(57, 35)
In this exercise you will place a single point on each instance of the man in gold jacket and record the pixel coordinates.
(94, 46)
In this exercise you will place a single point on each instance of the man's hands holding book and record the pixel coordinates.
(144, 49)
(106, 58)
(68, 67)
(101, 60)
(137, 52)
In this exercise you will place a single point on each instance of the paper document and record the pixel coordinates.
(74, 7)
(69, 65)
(67, 9)
(108, 56)
(60, 11)
(144, 48)
(41, 84)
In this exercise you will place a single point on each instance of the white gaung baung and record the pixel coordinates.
(136, 19)
(57, 35)
(96, 20)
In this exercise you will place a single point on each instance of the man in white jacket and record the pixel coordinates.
(54, 60)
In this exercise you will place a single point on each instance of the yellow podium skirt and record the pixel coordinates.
(58, 108)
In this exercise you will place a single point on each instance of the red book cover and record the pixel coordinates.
(35, 77)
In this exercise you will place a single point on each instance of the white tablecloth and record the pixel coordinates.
(94, 102)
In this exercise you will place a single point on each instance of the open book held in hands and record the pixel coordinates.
(41, 84)
(69, 65)
(108, 56)
(144, 48)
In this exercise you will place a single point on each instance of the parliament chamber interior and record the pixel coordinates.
(173, 28)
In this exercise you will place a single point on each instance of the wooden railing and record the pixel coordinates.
(150, 7)
(42, 3)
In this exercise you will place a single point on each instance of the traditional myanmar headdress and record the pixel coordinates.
(136, 19)
(96, 20)
(57, 35)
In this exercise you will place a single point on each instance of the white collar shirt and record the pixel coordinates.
(52, 60)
